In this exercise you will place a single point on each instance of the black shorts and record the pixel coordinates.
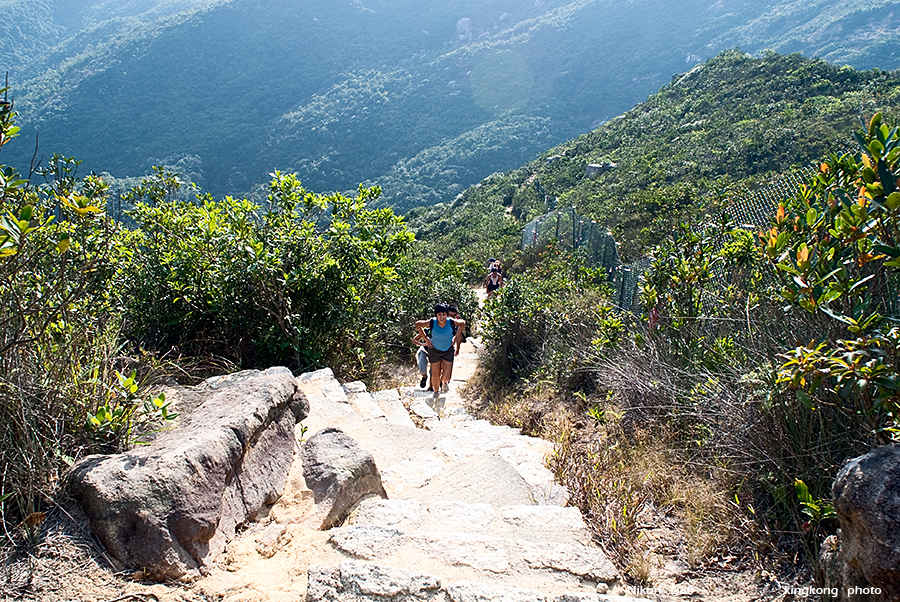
(493, 287)
(434, 356)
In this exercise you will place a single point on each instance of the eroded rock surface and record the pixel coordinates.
(171, 506)
(339, 473)
(866, 497)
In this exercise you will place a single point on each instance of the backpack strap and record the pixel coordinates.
(431, 324)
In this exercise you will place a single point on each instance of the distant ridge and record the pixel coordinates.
(388, 93)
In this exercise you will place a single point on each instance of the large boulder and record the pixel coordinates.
(170, 507)
(866, 497)
(340, 473)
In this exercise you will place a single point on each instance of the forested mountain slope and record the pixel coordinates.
(707, 138)
(422, 98)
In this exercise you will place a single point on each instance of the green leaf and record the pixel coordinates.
(892, 251)
(837, 316)
(892, 201)
(887, 179)
(893, 156)
(811, 216)
(874, 124)
(803, 397)
(802, 491)
(64, 243)
(861, 140)
(861, 282)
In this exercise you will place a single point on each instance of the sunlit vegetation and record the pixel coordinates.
(705, 140)
(95, 311)
(758, 358)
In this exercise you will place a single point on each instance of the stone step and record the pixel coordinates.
(469, 503)
(527, 522)
(543, 545)
(409, 458)
(353, 581)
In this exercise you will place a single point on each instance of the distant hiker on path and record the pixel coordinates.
(440, 345)
(494, 279)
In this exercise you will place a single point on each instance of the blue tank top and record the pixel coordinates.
(441, 338)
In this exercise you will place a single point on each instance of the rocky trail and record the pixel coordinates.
(471, 512)
(465, 511)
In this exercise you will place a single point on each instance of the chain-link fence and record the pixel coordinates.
(575, 232)
(753, 211)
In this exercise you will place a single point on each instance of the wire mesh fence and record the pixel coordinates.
(569, 230)
(572, 231)
(756, 210)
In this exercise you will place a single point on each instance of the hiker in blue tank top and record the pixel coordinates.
(440, 344)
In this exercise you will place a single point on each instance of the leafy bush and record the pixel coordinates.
(59, 338)
(302, 284)
(766, 358)
(311, 280)
(835, 247)
(547, 323)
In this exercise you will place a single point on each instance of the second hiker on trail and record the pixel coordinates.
(494, 279)
(440, 344)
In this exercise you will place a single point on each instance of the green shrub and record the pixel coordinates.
(301, 284)
(549, 322)
(835, 248)
(59, 335)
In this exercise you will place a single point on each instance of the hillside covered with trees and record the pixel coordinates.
(756, 358)
(421, 98)
(706, 140)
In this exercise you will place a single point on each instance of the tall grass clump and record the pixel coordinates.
(59, 334)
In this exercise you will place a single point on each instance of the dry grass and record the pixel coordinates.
(626, 467)
(57, 561)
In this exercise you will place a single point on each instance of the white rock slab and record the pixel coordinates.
(459, 516)
(463, 444)
(361, 581)
(357, 386)
(421, 409)
(574, 558)
(333, 390)
(482, 553)
(590, 597)
(527, 463)
(316, 375)
(390, 403)
(413, 472)
(365, 541)
(365, 404)
(551, 522)
(399, 513)
(468, 591)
